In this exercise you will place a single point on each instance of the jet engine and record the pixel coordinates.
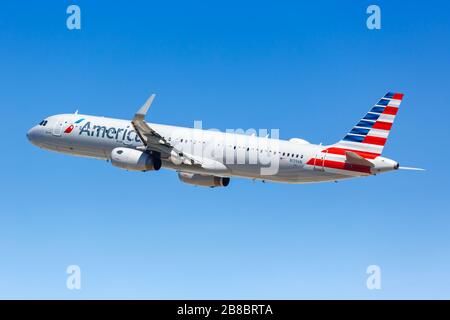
(134, 160)
(203, 180)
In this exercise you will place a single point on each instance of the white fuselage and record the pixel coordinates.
(225, 154)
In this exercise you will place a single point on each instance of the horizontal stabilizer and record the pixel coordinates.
(354, 158)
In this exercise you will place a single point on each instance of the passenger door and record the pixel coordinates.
(58, 127)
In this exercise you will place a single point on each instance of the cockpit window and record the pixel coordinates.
(43, 123)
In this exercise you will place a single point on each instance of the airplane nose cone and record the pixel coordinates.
(31, 134)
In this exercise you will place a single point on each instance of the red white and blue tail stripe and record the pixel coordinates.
(365, 142)
(370, 134)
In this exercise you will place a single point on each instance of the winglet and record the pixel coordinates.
(140, 115)
(355, 158)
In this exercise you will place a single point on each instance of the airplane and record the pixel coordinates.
(211, 158)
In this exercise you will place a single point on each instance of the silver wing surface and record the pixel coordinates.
(154, 142)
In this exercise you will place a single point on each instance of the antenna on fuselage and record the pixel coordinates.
(76, 112)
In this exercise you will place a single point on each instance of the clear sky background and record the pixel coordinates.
(310, 69)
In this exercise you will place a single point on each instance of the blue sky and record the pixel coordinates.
(310, 69)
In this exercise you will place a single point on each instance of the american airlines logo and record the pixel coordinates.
(109, 133)
(70, 128)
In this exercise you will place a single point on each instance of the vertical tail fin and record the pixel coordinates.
(370, 134)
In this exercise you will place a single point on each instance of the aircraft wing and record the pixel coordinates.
(153, 141)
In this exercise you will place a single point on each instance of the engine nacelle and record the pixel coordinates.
(203, 180)
(134, 160)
